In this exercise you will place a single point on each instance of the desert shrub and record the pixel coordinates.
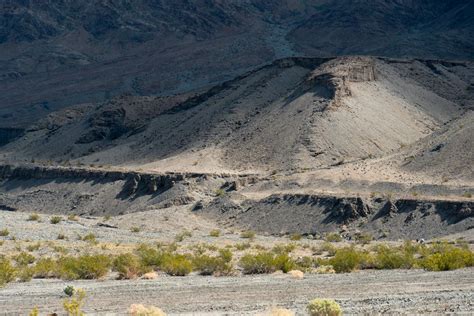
(84, 267)
(34, 217)
(333, 237)
(150, 257)
(141, 310)
(346, 260)
(33, 247)
(69, 290)
(207, 265)
(256, 264)
(282, 248)
(25, 273)
(4, 232)
(55, 219)
(324, 270)
(295, 237)
(7, 271)
(220, 192)
(363, 238)
(24, 259)
(266, 262)
(324, 307)
(447, 257)
(129, 266)
(305, 263)
(176, 265)
(215, 233)
(327, 247)
(135, 229)
(248, 234)
(225, 254)
(242, 246)
(34, 312)
(73, 306)
(60, 249)
(45, 268)
(181, 236)
(90, 238)
(72, 217)
(61, 237)
(393, 258)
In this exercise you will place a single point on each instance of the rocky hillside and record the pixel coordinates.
(69, 52)
(292, 115)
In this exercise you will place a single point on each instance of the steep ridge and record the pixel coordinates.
(294, 114)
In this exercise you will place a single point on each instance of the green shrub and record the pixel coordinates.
(129, 266)
(33, 247)
(305, 263)
(282, 248)
(248, 234)
(181, 236)
(84, 267)
(284, 263)
(295, 237)
(242, 246)
(327, 247)
(7, 271)
(257, 264)
(207, 265)
(346, 260)
(73, 306)
(363, 238)
(46, 268)
(90, 238)
(177, 265)
(135, 229)
(25, 273)
(55, 219)
(448, 258)
(324, 307)
(4, 232)
(266, 262)
(220, 192)
(24, 259)
(69, 290)
(215, 233)
(34, 217)
(393, 258)
(333, 237)
(150, 257)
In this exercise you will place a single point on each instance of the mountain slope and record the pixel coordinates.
(294, 114)
(69, 52)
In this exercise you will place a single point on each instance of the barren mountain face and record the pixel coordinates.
(171, 142)
(62, 53)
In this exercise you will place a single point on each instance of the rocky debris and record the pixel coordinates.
(198, 206)
(349, 209)
(388, 210)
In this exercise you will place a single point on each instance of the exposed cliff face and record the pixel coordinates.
(317, 214)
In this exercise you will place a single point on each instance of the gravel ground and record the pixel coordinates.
(367, 292)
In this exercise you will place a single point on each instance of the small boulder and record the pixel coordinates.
(296, 274)
(150, 276)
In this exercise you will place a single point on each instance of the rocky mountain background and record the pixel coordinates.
(55, 54)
